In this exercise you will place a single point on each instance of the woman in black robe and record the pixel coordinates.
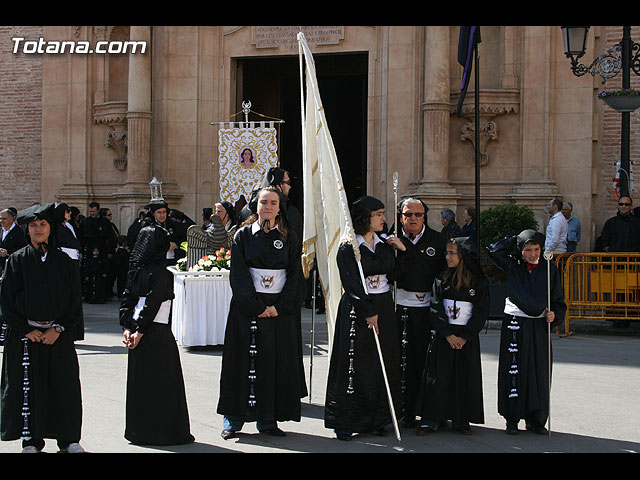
(452, 381)
(41, 303)
(156, 403)
(67, 241)
(356, 398)
(261, 369)
(525, 350)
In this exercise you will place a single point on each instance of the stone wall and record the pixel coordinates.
(20, 120)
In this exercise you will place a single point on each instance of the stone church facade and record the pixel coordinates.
(80, 126)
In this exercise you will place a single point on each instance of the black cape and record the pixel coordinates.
(279, 378)
(156, 403)
(452, 382)
(41, 291)
(365, 408)
(523, 364)
(417, 268)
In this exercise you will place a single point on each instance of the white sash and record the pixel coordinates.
(413, 299)
(163, 312)
(268, 281)
(459, 315)
(511, 308)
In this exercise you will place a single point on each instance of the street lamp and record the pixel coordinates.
(608, 65)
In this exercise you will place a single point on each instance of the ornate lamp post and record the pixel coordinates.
(623, 56)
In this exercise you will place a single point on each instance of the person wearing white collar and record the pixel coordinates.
(362, 407)
(421, 257)
(262, 377)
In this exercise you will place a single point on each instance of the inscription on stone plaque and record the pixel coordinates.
(285, 37)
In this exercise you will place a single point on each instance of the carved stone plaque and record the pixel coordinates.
(285, 37)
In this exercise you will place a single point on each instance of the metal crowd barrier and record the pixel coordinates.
(600, 286)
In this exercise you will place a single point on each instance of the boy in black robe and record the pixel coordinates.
(41, 302)
(525, 349)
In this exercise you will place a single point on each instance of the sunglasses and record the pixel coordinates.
(411, 214)
(623, 204)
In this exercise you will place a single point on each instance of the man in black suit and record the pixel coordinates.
(11, 235)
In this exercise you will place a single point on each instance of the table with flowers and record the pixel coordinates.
(202, 299)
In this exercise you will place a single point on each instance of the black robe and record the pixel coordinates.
(278, 384)
(41, 291)
(365, 408)
(523, 365)
(95, 282)
(452, 382)
(417, 268)
(156, 403)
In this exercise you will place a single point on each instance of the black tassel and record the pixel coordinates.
(253, 352)
(352, 348)
(26, 388)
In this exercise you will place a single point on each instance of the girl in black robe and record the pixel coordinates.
(261, 372)
(67, 241)
(525, 350)
(356, 398)
(156, 403)
(452, 381)
(41, 303)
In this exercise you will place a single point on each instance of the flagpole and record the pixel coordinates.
(548, 256)
(395, 250)
(477, 142)
(313, 331)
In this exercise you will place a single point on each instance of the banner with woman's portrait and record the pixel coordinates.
(244, 155)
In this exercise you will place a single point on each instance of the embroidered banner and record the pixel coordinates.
(244, 155)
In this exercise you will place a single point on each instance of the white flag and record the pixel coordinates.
(327, 222)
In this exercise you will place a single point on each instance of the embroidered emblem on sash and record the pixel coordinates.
(266, 281)
(421, 297)
(453, 312)
(373, 282)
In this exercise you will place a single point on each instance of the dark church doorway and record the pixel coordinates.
(272, 84)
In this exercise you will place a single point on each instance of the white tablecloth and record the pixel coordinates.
(200, 308)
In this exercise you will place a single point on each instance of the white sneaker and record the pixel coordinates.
(30, 449)
(74, 448)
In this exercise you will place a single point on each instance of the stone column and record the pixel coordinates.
(135, 191)
(139, 112)
(434, 187)
(436, 109)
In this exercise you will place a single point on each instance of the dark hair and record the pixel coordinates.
(94, 205)
(557, 202)
(461, 275)
(471, 211)
(361, 225)
(281, 220)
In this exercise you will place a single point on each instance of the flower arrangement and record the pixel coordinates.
(623, 92)
(220, 260)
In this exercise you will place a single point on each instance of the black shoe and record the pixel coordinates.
(537, 428)
(345, 437)
(512, 428)
(423, 431)
(465, 430)
(320, 310)
(381, 432)
(227, 434)
(308, 305)
(274, 432)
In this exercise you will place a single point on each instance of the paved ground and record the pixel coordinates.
(596, 387)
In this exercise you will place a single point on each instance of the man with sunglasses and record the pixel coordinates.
(622, 232)
(421, 256)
